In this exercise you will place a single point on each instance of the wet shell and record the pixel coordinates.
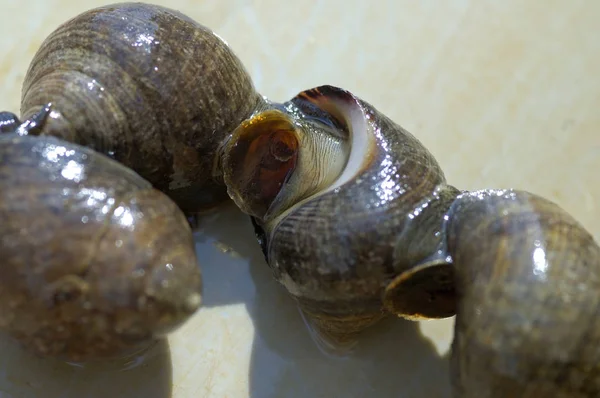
(95, 262)
(362, 223)
(343, 224)
(528, 289)
(147, 86)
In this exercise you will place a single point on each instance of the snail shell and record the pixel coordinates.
(528, 290)
(147, 86)
(357, 221)
(95, 262)
(344, 201)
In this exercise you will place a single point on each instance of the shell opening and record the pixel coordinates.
(259, 160)
(349, 126)
(285, 156)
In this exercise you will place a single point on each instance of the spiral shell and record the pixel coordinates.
(95, 262)
(528, 296)
(357, 221)
(341, 222)
(147, 86)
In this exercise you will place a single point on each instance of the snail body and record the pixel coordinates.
(147, 86)
(329, 181)
(96, 263)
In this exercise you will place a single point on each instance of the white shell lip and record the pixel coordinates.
(347, 107)
(362, 139)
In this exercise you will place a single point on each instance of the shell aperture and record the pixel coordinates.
(260, 160)
(279, 158)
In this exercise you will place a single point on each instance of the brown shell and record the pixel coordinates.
(337, 252)
(521, 275)
(528, 285)
(147, 86)
(95, 262)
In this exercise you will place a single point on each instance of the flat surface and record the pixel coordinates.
(504, 94)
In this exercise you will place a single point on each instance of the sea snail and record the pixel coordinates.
(150, 88)
(356, 220)
(95, 262)
(344, 201)
(528, 299)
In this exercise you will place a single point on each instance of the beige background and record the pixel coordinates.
(504, 93)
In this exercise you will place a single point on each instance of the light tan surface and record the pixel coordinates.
(505, 94)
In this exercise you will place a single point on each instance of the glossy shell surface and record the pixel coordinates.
(147, 86)
(94, 261)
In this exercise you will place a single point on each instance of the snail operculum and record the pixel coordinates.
(260, 160)
(425, 287)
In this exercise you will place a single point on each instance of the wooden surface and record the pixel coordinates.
(505, 94)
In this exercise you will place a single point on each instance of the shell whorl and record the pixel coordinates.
(528, 296)
(148, 86)
(95, 262)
